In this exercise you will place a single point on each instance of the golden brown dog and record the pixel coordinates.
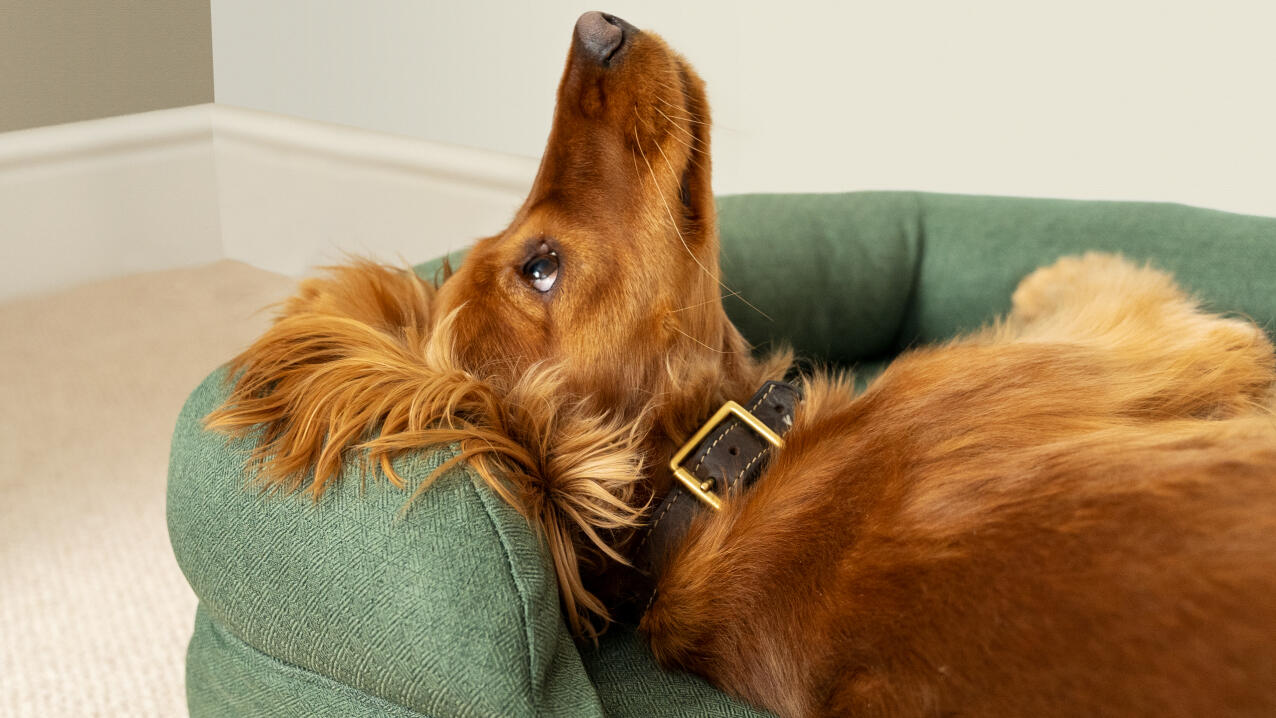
(1071, 513)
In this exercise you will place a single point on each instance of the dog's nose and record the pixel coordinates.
(601, 35)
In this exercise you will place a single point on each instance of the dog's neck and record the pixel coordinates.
(671, 421)
(683, 406)
(722, 454)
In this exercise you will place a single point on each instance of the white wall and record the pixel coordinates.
(295, 194)
(155, 190)
(1119, 99)
(1130, 100)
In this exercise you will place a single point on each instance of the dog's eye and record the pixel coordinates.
(542, 271)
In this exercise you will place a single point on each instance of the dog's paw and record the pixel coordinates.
(1072, 283)
(1183, 359)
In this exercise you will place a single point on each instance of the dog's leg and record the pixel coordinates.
(1178, 357)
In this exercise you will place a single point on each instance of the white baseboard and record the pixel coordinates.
(155, 190)
(96, 199)
(296, 193)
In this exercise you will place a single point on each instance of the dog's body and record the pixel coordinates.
(1058, 517)
(1072, 513)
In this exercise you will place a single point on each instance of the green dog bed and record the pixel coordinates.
(353, 607)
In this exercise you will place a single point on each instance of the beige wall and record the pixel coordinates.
(68, 60)
(1128, 99)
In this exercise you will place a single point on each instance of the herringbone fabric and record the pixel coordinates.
(346, 606)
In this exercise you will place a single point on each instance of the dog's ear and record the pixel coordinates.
(352, 364)
(304, 384)
(573, 473)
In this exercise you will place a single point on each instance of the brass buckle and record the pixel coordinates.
(703, 491)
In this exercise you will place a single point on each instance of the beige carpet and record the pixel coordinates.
(94, 613)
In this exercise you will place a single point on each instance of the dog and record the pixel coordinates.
(1072, 512)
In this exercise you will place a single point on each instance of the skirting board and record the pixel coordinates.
(91, 200)
(295, 193)
(169, 188)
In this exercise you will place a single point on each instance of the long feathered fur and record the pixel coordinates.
(1070, 513)
(353, 367)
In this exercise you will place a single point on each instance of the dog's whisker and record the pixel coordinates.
(690, 159)
(667, 102)
(667, 86)
(680, 108)
(674, 223)
(707, 301)
(692, 120)
(692, 150)
(668, 210)
(680, 128)
(697, 341)
(634, 156)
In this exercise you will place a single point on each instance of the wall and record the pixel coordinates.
(168, 188)
(70, 60)
(100, 198)
(295, 194)
(1131, 100)
(1123, 100)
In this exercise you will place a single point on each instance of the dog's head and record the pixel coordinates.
(609, 270)
(567, 355)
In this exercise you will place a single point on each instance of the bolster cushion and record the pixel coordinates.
(353, 606)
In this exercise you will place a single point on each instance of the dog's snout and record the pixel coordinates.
(601, 35)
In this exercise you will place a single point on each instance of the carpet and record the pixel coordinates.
(94, 613)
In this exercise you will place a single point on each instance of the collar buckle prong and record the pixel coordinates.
(703, 490)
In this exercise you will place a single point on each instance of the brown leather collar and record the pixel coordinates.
(729, 456)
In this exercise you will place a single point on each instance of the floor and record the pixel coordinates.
(94, 612)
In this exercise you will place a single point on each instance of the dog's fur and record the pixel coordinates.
(1070, 513)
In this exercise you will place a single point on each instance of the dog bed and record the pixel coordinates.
(355, 606)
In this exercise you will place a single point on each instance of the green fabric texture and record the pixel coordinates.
(856, 277)
(227, 677)
(354, 607)
(976, 249)
(344, 607)
(830, 275)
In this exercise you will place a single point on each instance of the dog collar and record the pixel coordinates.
(724, 457)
